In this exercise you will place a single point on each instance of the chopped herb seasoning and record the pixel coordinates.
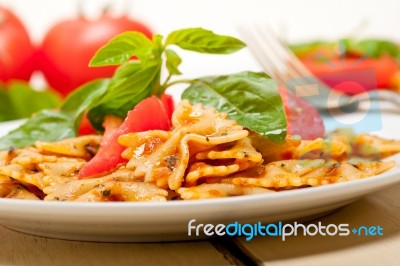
(171, 161)
(35, 170)
(106, 192)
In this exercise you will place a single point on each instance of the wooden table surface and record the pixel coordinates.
(382, 208)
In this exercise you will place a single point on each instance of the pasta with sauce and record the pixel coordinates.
(206, 155)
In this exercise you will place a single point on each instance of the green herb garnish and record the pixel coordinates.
(250, 98)
(106, 193)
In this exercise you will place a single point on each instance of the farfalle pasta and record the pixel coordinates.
(205, 155)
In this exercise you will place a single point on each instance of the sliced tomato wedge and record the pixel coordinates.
(149, 114)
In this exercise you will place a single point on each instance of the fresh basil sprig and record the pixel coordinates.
(250, 98)
(137, 80)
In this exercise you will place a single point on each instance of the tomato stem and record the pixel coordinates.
(106, 9)
(80, 10)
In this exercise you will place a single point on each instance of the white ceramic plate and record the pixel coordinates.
(133, 222)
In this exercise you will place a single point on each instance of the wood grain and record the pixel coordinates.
(382, 209)
(22, 249)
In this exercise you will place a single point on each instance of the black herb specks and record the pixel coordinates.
(106, 192)
(171, 161)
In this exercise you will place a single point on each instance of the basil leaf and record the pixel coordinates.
(123, 94)
(46, 125)
(204, 41)
(27, 101)
(173, 62)
(252, 99)
(83, 99)
(50, 125)
(127, 69)
(159, 47)
(121, 48)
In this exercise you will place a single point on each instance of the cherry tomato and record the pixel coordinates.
(85, 127)
(169, 105)
(149, 114)
(16, 49)
(69, 45)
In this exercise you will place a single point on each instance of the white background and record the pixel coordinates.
(300, 19)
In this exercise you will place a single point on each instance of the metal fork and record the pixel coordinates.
(278, 60)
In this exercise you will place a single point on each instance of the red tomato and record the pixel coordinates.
(384, 67)
(303, 119)
(149, 114)
(85, 128)
(69, 45)
(169, 105)
(16, 49)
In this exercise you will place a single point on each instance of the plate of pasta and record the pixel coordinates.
(234, 148)
(207, 168)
